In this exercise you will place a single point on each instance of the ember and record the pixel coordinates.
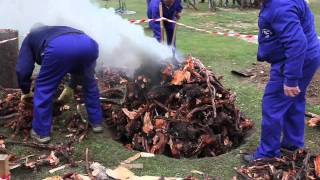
(180, 112)
(292, 165)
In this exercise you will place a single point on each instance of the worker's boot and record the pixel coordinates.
(97, 128)
(40, 139)
(248, 158)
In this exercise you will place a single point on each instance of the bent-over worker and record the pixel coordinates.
(59, 50)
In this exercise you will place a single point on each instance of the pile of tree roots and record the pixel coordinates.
(182, 111)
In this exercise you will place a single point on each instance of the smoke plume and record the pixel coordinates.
(121, 44)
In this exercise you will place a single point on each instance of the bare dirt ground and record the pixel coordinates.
(260, 75)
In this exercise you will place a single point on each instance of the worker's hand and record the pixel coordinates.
(178, 16)
(27, 97)
(291, 91)
(66, 95)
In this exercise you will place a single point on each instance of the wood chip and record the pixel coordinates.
(146, 155)
(131, 114)
(132, 158)
(120, 173)
(57, 169)
(197, 172)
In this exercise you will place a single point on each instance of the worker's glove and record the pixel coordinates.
(66, 95)
(178, 16)
(27, 98)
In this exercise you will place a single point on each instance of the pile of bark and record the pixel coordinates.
(293, 165)
(179, 111)
(17, 115)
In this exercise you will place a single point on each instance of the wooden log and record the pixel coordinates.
(4, 166)
(8, 57)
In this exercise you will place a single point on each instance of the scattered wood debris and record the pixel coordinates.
(57, 169)
(58, 152)
(292, 165)
(314, 120)
(181, 111)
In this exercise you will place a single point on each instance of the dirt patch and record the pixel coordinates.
(259, 74)
(314, 89)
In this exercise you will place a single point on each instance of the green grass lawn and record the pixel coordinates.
(221, 54)
(315, 5)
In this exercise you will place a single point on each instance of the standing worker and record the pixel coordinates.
(171, 9)
(59, 50)
(288, 41)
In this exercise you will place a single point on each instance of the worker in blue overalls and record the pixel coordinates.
(171, 10)
(288, 41)
(59, 50)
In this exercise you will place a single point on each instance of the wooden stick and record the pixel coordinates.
(88, 165)
(57, 169)
(311, 115)
(174, 36)
(161, 22)
(173, 44)
(10, 116)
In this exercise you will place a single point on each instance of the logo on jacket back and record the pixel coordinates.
(267, 33)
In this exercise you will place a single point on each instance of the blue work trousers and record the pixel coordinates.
(169, 29)
(70, 53)
(283, 116)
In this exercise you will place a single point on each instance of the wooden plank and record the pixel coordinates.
(8, 57)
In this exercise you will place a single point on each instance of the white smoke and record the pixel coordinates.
(121, 43)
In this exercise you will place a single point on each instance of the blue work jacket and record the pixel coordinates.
(287, 35)
(168, 12)
(31, 51)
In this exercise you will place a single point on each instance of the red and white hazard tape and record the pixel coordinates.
(8, 40)
(140, 21)
(249, 38)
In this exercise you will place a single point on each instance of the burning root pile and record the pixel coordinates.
(299, 165)
(179, 112)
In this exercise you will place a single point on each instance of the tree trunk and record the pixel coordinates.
(8, 58)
